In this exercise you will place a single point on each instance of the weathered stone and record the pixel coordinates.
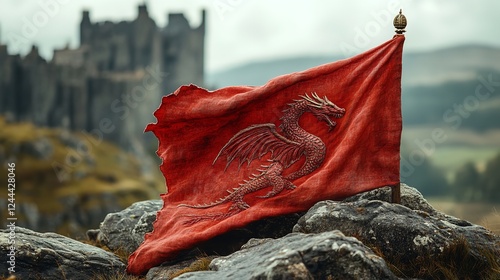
(168, 271)
(53, 256)
(165, 272)
(299, 256)
(410, 197)
(125, 230)
(407, 238)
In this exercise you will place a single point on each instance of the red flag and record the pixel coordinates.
(241, 154)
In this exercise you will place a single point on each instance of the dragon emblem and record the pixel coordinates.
(286, 148)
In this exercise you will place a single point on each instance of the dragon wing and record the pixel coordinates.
(257, 140)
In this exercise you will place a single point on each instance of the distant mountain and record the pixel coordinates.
(258, 73)
(451, 64)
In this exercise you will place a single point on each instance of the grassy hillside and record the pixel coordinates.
(65, 176)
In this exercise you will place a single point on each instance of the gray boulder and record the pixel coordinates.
(125, 230)
(169, 271)
(415, 239)
(53, 256)
(410, 197)
(299, 256)
(362, 237)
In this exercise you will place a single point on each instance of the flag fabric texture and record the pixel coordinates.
(240, 154)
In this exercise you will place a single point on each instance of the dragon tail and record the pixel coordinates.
(220, 201)
(232, 195)
(193, 219)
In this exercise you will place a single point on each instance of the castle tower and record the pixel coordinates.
(143, 40)
(142, 11)
(85, 28)
(183, 51)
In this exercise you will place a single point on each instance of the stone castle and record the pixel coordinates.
(111, 83)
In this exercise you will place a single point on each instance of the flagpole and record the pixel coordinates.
(400, 24)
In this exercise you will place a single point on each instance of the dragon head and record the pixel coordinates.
(323, 109)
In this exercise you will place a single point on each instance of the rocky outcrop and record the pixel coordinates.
(407, 240)
(413, 237)
(125, 230)
(169, 271)
(362, 237)
(299, 256)
(410, 197)
(53, 256)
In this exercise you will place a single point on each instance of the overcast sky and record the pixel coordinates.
(241, 31)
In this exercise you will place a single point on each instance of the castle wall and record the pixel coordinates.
(40, 79)
(115, 78)
(125, 109)
(143, 39)
(73, 90)
(101, 117)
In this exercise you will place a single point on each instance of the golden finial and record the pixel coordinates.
(400, 22)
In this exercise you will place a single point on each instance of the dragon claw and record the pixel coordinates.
(290, 186)
(239, 206)
(268, 195)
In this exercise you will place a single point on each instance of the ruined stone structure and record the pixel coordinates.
(111, 83)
